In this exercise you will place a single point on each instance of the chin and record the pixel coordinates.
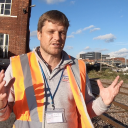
(56, 53)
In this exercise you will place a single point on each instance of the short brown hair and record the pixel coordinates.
(54, 16)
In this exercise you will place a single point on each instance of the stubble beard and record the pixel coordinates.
(52, 52)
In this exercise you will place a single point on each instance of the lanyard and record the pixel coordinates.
(52, 96)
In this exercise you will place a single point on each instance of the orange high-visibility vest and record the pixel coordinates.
(29, 92)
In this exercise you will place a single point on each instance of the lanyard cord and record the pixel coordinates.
(52, 97)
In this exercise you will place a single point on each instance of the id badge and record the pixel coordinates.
(55, 116)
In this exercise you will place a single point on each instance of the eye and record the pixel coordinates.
(51, 32)
(63, 33)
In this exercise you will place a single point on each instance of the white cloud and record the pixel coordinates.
(33, 34)
(81, 30)
(53, 1)
(78, 31)
(78, 55)
(100, 50)
(120, 43)
(107, 38)
(82, 52)
(91, 26)
(120, 53)
(73, 33)
(95, 29)
(69, 47)
(70, 36)
(72, 2)
(87, 48)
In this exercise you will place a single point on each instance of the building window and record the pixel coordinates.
(5, 7)
(4, 39)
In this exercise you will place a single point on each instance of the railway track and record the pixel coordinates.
(117, 115)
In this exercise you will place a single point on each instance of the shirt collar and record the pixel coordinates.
(65, 60)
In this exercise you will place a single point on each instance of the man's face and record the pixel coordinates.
(52, 38)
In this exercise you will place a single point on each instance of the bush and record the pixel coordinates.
(108, 74)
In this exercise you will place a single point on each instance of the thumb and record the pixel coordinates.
(100, 84)
(11, 82)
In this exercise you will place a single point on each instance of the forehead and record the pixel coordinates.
(50, 24)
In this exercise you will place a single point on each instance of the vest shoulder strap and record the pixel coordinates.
(79, 71)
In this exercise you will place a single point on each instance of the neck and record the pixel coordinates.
(51, 60)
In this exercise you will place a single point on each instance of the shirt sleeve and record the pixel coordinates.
(96, 106)
(5, 112)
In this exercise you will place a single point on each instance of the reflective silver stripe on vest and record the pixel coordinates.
(29, 90)
(85, 109)
(75, 71)
(27, 124)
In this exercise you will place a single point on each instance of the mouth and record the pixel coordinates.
(57, 44)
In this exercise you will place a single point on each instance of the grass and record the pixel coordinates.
(108, 74)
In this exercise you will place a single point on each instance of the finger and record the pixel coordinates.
(117, 88)
(2, 85)
(115, 81)
(119, 85)
(2, 71)
(100, 84)
(2, 96)
(11, 82)
(1, 76)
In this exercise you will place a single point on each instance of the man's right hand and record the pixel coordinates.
(4, 90)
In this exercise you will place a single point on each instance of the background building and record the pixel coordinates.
(104, 57)
(91, 55)
(122, 60)
(14, 27)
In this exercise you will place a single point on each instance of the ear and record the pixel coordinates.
(38, 35)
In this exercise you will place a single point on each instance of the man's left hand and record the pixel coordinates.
(108, 94)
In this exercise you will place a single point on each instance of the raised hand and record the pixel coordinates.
(4, 90)
(108, 94)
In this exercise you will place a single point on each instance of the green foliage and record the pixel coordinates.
(108, 74)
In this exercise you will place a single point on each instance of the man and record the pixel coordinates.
(47, 88)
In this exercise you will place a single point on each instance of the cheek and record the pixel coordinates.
(45, 38)
(64, 38)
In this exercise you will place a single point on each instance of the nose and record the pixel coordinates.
(56, 36)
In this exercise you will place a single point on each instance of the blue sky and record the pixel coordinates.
(95, 25)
